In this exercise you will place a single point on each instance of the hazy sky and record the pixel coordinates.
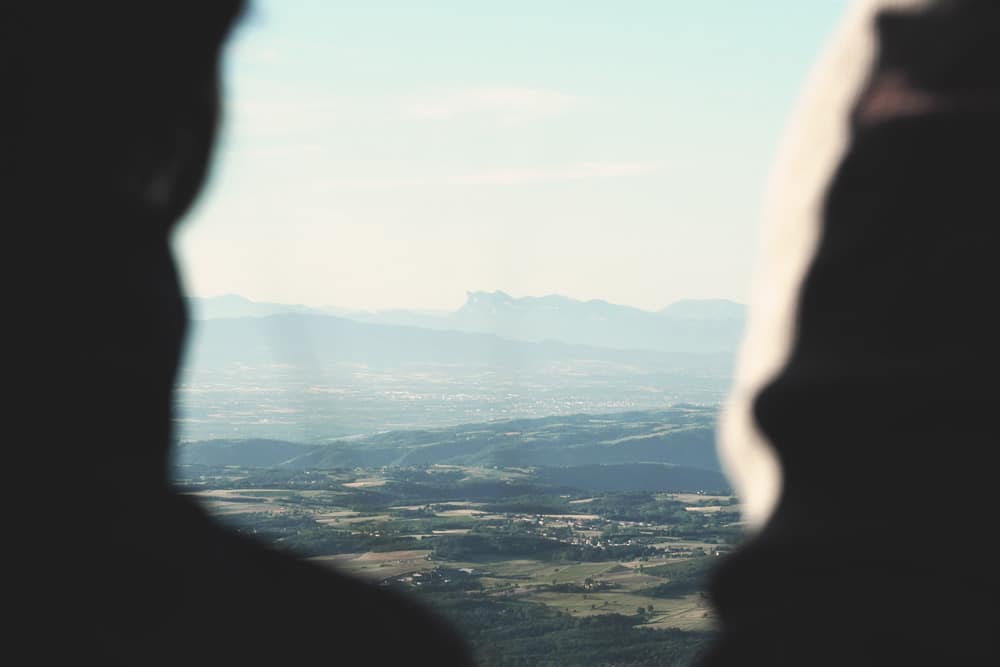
(397, 154)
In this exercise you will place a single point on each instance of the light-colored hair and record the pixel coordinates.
(812, 146)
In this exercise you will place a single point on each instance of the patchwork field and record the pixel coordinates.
(364, 534)
(543, 534)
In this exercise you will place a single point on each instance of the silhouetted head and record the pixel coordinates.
(113, 99)
(952, 47)
(107, 122)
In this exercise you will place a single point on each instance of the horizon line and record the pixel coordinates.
(468, 293)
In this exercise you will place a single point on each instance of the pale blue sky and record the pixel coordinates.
(396, 154)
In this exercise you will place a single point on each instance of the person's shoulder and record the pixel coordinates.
(280, 607)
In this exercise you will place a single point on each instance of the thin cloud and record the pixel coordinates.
(504, 177)
(376, 183)
(571, 172)
(507, 104)
(287, 151)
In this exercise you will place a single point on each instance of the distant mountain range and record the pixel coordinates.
(320, 341)
(687, 327)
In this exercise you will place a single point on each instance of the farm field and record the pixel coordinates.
(582, 556)
(518, 557)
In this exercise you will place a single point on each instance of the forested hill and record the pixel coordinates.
(678, 444)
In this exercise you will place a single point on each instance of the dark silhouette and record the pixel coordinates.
(108, 119)
(886, 400)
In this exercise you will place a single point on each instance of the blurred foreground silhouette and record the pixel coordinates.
(883, 403)
(108, 122)
(109, 117)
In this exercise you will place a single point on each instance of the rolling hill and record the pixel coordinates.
(314, 341)
(626, 451)
(685, 327)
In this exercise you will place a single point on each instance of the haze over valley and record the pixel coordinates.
(264, 370)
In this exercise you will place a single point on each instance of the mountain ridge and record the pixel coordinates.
(236, 305)
(316, 341)
(686, 326)
(677, 437)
